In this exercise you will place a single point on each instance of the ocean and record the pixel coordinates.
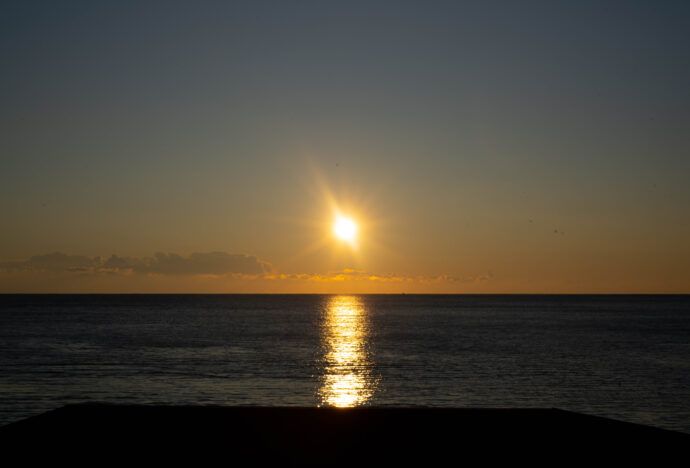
(622, 357)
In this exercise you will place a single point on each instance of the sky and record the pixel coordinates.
(480, 147)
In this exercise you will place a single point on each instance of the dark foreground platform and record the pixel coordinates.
(242, 435)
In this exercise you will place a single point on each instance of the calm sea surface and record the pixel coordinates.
(624, 357)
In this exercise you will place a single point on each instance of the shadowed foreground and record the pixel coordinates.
(330, 435)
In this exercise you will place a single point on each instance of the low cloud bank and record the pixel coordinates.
(211, 272)
(211, 263)
(361, 275)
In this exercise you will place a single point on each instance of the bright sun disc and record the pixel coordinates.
(345, 229)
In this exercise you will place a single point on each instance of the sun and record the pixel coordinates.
(345, 229)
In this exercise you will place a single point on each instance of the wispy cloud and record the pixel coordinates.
(362, 275)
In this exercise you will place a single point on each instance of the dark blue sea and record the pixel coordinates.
(623, 357)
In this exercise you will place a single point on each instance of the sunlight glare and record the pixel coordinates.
(349, 378)
(345, 229)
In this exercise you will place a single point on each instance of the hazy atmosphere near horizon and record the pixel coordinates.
(345, 147)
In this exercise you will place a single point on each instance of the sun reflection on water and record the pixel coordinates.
(349, 378)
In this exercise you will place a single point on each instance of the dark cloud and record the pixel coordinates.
(117, 263)
(212, 263)
(211, 266)
(55, 261)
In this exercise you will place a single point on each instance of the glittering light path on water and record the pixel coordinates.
(349, 378)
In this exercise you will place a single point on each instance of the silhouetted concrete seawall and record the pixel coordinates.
(330, 435)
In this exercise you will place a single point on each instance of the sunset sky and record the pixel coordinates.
(479, 147)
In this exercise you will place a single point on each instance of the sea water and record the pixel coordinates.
(623, 357)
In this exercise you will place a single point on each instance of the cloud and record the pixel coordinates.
(54, 262)
(210, 272)
(362, 275)
(211, 263)
(118, 263)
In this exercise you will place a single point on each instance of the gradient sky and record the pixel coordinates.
(498, 147)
